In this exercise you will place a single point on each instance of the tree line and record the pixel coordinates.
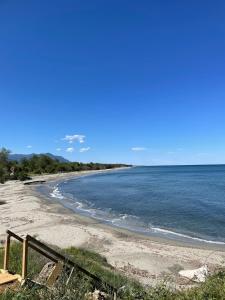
(42, 164)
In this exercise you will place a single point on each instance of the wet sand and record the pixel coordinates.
(149, 259)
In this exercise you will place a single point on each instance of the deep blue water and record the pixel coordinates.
(174, 201)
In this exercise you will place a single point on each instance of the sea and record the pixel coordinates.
(185, 203)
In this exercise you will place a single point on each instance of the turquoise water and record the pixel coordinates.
(181, 202)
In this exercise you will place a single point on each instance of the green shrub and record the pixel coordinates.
(41, 164)
(80, 284)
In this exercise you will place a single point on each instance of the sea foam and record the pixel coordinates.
(56, 193)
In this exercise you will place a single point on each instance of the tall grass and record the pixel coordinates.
(80, 284)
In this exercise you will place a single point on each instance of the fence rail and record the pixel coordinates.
(51, 254)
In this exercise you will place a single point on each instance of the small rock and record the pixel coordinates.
(96, 295)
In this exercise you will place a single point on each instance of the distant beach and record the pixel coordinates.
(149, 259)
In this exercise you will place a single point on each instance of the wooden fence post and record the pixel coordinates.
(25, 258)
(6, 254)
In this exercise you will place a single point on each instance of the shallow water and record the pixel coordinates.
(178, 202)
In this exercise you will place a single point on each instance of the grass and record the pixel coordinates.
(80, 284)
(35, 261)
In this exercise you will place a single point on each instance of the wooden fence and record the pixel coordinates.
(51, 254)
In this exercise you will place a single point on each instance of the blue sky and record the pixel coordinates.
(140, 82)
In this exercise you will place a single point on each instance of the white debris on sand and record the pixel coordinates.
(97, 295)
(197, 275)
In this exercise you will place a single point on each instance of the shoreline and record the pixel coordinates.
(163, 234)
(148, 259)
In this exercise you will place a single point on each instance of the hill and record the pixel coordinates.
(16, 167)
(19, 157)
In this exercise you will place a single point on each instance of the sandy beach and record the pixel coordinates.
(150, 260)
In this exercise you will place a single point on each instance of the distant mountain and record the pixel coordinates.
(19, 157)
(58, 157)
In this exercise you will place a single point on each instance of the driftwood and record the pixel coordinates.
(34, 182)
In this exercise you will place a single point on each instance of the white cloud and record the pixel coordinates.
(85, 149)
(70, 149)
(29, 146)
(58, 149)
(138, 148)
(72, 138)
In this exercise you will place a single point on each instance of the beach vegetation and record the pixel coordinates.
(80, 284)
(42, 164)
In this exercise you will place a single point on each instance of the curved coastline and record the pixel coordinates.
(149, 259)
(52, 193)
